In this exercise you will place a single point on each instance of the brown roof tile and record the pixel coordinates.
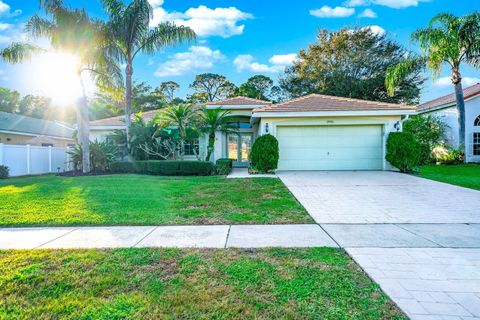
(120, 120)
(449, 98)
(239, 101)
(317, 102)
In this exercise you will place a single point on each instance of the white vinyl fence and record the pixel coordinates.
(26, 159)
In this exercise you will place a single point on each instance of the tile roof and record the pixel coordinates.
(120, 120)
(317, 102)
(239, 101)
(23, 124)
(449, 98)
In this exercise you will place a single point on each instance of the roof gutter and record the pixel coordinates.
(287, 114)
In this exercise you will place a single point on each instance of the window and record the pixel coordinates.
(240, 125)
(476, 123)
(192, 147)
(47, 144)
(476, 143)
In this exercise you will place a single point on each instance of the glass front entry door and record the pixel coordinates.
(239, 146)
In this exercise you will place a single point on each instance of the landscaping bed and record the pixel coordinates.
(129, 199)
(316, 283)
(464, 175)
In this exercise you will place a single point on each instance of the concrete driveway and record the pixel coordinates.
(418, 239)
(380, 197)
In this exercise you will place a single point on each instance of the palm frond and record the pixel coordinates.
(397, 74)
(20, 51)
(164, 35)
(113, 7)
(38, 27)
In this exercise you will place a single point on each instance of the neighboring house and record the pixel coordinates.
(22, 130)
(315, 132)
(446, 109)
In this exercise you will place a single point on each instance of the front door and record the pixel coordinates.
(239, 146)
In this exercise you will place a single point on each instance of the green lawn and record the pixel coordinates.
(464, 175)
(146, 200)
(316, 283)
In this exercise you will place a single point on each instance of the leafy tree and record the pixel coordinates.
(9, 100)
(131, 35)
(257, 87)
(212, 87)
(183, 118)
(74, 32)
(168, 89)
(447, 40)
(351, 63)
(211, 121)
(144, 98)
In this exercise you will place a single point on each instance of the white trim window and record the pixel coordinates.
(476, 137)
(192, 148)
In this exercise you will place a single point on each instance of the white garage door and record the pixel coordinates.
(330, 148)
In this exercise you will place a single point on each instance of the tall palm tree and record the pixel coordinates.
(447, 40)
(131, 34)
(73, 32)
(183, 117)
(211, 121)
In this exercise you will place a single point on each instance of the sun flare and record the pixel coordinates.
(55, 76)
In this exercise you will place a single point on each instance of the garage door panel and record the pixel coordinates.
(330, 148)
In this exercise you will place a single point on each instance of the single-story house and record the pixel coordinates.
(446, 109)
(23, 130)
(315, 132)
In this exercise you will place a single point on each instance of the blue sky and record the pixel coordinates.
(241, 38)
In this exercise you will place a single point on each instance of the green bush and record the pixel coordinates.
(403, 151)
(428, 130)
(224, 166)
(4, 172)
(165, 167)
(264, 155)
(447, 155)
(102, 154)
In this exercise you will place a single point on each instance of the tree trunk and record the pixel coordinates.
(211, 146)
(457, 81)
(128, 101)
(84, 133)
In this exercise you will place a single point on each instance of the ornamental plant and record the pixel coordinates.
(264, 155)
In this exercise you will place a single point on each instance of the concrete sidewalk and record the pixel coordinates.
(247, 236)
(218, 236)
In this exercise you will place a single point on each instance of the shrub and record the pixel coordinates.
(4, 172)
(403, 151)
(102, 154)
(428, 130)
(264, 155)
(165, 167)
(224, 166)
(447, 155)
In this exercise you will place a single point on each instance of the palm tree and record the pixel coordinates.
(72, 32)
(129, 29)
(211, 121)
(183, 117)
(447, 40)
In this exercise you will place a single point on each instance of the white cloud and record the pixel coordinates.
(278, 63)
(376, 30)
(329, 12)
(204, 21)
(197, 57)
(367, 13)
(356, 3)
(155, 3)
(5, 10)
(398, 4)
(447, 81)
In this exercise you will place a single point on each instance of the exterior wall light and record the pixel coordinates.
(397, 125)
(266, 127)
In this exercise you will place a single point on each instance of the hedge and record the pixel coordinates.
(403, 151)
(224, 166)
(165, 167)
(264, 155)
